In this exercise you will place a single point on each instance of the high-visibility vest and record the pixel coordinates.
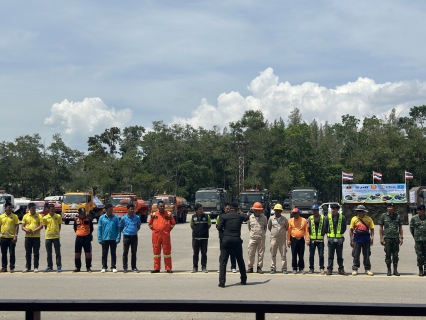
(332, 233)
(316, 234)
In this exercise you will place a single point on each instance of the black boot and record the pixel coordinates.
(395, 270)
(421, 272)
(389, 270)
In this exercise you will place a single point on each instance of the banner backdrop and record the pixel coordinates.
(374, 193)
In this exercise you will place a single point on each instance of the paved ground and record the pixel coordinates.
(409, 288)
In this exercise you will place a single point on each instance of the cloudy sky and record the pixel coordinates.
(79, 67)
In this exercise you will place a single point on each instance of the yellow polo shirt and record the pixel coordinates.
(8, 224)
(32, 222)
(52, 225)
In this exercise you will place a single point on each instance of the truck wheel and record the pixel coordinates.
(66, 221)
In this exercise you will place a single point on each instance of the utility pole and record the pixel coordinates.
(240, 147)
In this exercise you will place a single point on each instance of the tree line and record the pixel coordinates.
(180, 159)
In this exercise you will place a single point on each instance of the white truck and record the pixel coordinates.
(5, 197)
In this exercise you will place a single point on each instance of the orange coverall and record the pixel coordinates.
(161, 225)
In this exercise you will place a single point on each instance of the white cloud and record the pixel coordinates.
(361, 98)
(84, 118)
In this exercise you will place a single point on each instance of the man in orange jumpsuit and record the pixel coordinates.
(161, 223)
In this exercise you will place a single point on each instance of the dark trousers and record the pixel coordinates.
(7, 244)
(56, 243)
(297, 250)
(106, 245)
(197, 246)
(231, 245)
(86, 244)
(332, 248)
(363, 247)
(312, 247)
(231, 256)
(32, 245)
(132, 243)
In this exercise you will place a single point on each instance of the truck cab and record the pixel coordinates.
(213, 201)
(303, 198)
(72, 201)
(5, 197)
(175, 205)
(121, 200)
(250, 196)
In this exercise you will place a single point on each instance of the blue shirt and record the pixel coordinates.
(129, 225)
(109, 228)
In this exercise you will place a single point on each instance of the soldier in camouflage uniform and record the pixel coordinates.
(418, 230)
(391, 237)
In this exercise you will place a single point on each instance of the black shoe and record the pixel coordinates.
(89, 270)
(259, 270)
(249, 270)
(389, 270)
(421, 272)
(221, 285)
(76, 270)
(243, 282)
(169, 271)
(155, 271)
(194, 270)
(395, 271)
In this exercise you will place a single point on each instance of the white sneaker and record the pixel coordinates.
(25, 270)
(114, 270)
(35, 270)
(234, 270)
(218, 271)
(369, 273)
(103, 270)
(354, 272)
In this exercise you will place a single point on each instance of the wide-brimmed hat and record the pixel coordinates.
(361, 208)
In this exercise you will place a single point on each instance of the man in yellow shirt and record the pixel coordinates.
(9, 227)
(32, 223)
(52, 223)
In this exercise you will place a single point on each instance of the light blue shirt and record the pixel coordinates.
(109, 228)
(129, 225)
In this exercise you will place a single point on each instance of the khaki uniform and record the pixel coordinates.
(278, 228)
(257, 227)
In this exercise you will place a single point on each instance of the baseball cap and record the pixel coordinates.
(295, 210)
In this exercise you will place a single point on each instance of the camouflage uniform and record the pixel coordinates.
(418, 230)
(391, 235)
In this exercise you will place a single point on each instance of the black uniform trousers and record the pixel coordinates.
(197, 246)
(231, 245)
(7, 244)
(32, 246)
(297, 250)
(132, 243)
(85, 243)
(231, 256)
(106, 245)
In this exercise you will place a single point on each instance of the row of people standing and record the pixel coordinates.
(110, 230)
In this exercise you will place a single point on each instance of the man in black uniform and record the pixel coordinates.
(231, 223)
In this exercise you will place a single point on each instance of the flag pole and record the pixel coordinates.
(373, 177)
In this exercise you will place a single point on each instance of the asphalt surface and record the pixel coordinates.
(182, 284)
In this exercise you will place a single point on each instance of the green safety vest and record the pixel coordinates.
(316, 234)
(339, 227)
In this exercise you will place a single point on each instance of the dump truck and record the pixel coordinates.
(56, 201)
(213, 200)
(121, 200)
(248, 197)
(175, 205)
(72, 201)
(303, 198)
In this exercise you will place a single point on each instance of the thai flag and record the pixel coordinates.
(377, 176)
(347, 176)
(408, 175)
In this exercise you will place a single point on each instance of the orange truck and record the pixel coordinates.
(121, 200)
(175, 205)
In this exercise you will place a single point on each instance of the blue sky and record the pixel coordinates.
(78, 68)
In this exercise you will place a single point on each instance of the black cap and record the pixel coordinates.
(334, 206)
(51, 205)
(390, 204)
(81, 211)
(421, 207)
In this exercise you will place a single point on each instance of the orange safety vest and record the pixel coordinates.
(83, 227)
